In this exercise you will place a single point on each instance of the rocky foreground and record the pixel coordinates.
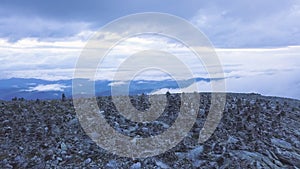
(255, 132)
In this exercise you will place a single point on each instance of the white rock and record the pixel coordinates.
(136, 165)
(161, 164)
(87, 161)
(194, 153)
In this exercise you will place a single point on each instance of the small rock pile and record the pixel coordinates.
(255, 132)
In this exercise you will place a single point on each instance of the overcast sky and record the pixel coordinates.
(246, 23)
(257, 41)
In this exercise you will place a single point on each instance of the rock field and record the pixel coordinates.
(255, 132)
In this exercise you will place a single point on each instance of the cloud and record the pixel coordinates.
(30, 58)
(269, 71)
(201, 86)
(116, 83)
(248, 24)
(257, 41)
(15, 28)
(94, 10)
(45, 74)
(48, 87)
(243, 67)
(57, 60)
(281, 84)
(57, 19)
(239, 24)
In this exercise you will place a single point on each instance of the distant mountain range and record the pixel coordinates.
(32, 89)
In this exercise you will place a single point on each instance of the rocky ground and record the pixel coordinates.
(255, 132)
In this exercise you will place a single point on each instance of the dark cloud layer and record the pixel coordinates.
(59, 19)
(97, 11)
(247, 23)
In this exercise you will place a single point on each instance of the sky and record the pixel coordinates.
(258, 42)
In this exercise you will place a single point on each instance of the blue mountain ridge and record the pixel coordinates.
(19, 87)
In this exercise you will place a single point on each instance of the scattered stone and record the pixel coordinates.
(137, 165)
(281, 143)
(63, 146)
(162, 164)
(87, 161)
(194, 154)
(232, 140)
(255, 132)
(288, 158)
(112, 164)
